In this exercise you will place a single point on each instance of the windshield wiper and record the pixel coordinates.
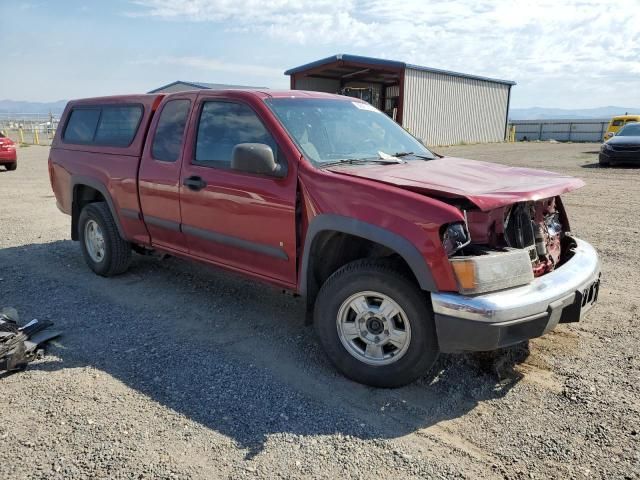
(362, 161)
(412, 154)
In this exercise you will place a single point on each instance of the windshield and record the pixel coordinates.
(630, 130)
(331, 130)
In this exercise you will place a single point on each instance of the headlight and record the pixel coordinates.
(454, 237)
(605, 146)
(492, 271)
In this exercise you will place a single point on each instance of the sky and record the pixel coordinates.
(561, 53)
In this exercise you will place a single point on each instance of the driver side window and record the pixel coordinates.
(222, 126)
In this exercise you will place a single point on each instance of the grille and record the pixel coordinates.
(626, 148)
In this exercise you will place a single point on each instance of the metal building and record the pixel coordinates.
(438, 106)
(181, 86)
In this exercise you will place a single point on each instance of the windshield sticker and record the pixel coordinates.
(365, 106)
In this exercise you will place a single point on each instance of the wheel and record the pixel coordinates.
(375, 324)
(11, 166)
(105, 252)
(603, 161)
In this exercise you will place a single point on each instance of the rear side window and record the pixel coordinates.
(109, 125)
(167, 140)
(223, 125)
(81, 127)
(617, 123)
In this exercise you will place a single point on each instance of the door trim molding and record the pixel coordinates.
(271, 251)
(162, 223)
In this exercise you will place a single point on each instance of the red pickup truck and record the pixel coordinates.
(400, 253)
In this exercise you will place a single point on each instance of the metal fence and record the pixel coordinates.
(561, 130)
(29, 128)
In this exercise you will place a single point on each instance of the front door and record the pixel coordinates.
(243, 221)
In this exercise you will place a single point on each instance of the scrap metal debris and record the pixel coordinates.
(19, 345)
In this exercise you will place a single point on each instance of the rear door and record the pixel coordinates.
(243, 221)
(159, 175)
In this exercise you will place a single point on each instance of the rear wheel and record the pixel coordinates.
(375, 324)
(11, 166)
(105, 252)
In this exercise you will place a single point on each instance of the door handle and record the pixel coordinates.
(194, 183)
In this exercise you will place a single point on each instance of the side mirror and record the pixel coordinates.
(256, 158)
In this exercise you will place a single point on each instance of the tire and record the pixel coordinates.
(11, 166)
(603, 163)
(115, 255)
(334, 311)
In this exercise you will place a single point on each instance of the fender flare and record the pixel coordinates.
(100, 187)
(358, 228)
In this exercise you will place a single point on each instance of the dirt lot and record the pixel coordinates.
(176, 371)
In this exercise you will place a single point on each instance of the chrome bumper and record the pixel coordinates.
(512, 315)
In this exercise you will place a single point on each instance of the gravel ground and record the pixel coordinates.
(177, 371)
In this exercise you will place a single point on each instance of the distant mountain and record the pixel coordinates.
(12, 106)
(541, 113)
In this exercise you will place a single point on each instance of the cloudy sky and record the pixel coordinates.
(562, 53)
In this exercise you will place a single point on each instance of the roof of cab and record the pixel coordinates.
(140, 98)
(262, 94)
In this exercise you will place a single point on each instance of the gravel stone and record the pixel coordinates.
(176, 371)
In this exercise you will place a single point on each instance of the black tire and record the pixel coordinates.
(383, 277)
(603, 162)
(117, 252)
(11, 166)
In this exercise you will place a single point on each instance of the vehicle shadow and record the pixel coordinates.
(617, 166)
(228, 353)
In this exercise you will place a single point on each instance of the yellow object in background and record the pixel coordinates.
(617, 123)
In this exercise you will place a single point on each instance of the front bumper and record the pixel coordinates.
(612, 156)
(499, 319)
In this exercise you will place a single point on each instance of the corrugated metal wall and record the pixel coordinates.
(561, 130)
(327, 85)
(445, 110)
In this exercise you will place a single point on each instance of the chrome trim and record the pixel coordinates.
(528, 300)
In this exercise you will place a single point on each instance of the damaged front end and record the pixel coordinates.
(519, 275)
(508, 246)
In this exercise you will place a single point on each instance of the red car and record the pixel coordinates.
(400, 253)
(8, 155)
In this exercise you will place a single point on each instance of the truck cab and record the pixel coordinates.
(400, 253)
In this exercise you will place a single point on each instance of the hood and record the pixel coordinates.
(624, 140)
(487, 185)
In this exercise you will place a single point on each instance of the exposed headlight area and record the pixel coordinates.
(455, 237)
(605, 147)
(507, 247)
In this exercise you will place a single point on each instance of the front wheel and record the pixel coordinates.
(11, 166)
(375, 324)
(103, 249)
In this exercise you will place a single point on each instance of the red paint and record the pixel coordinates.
(262, 210)
(487, 185)
(8, 152)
